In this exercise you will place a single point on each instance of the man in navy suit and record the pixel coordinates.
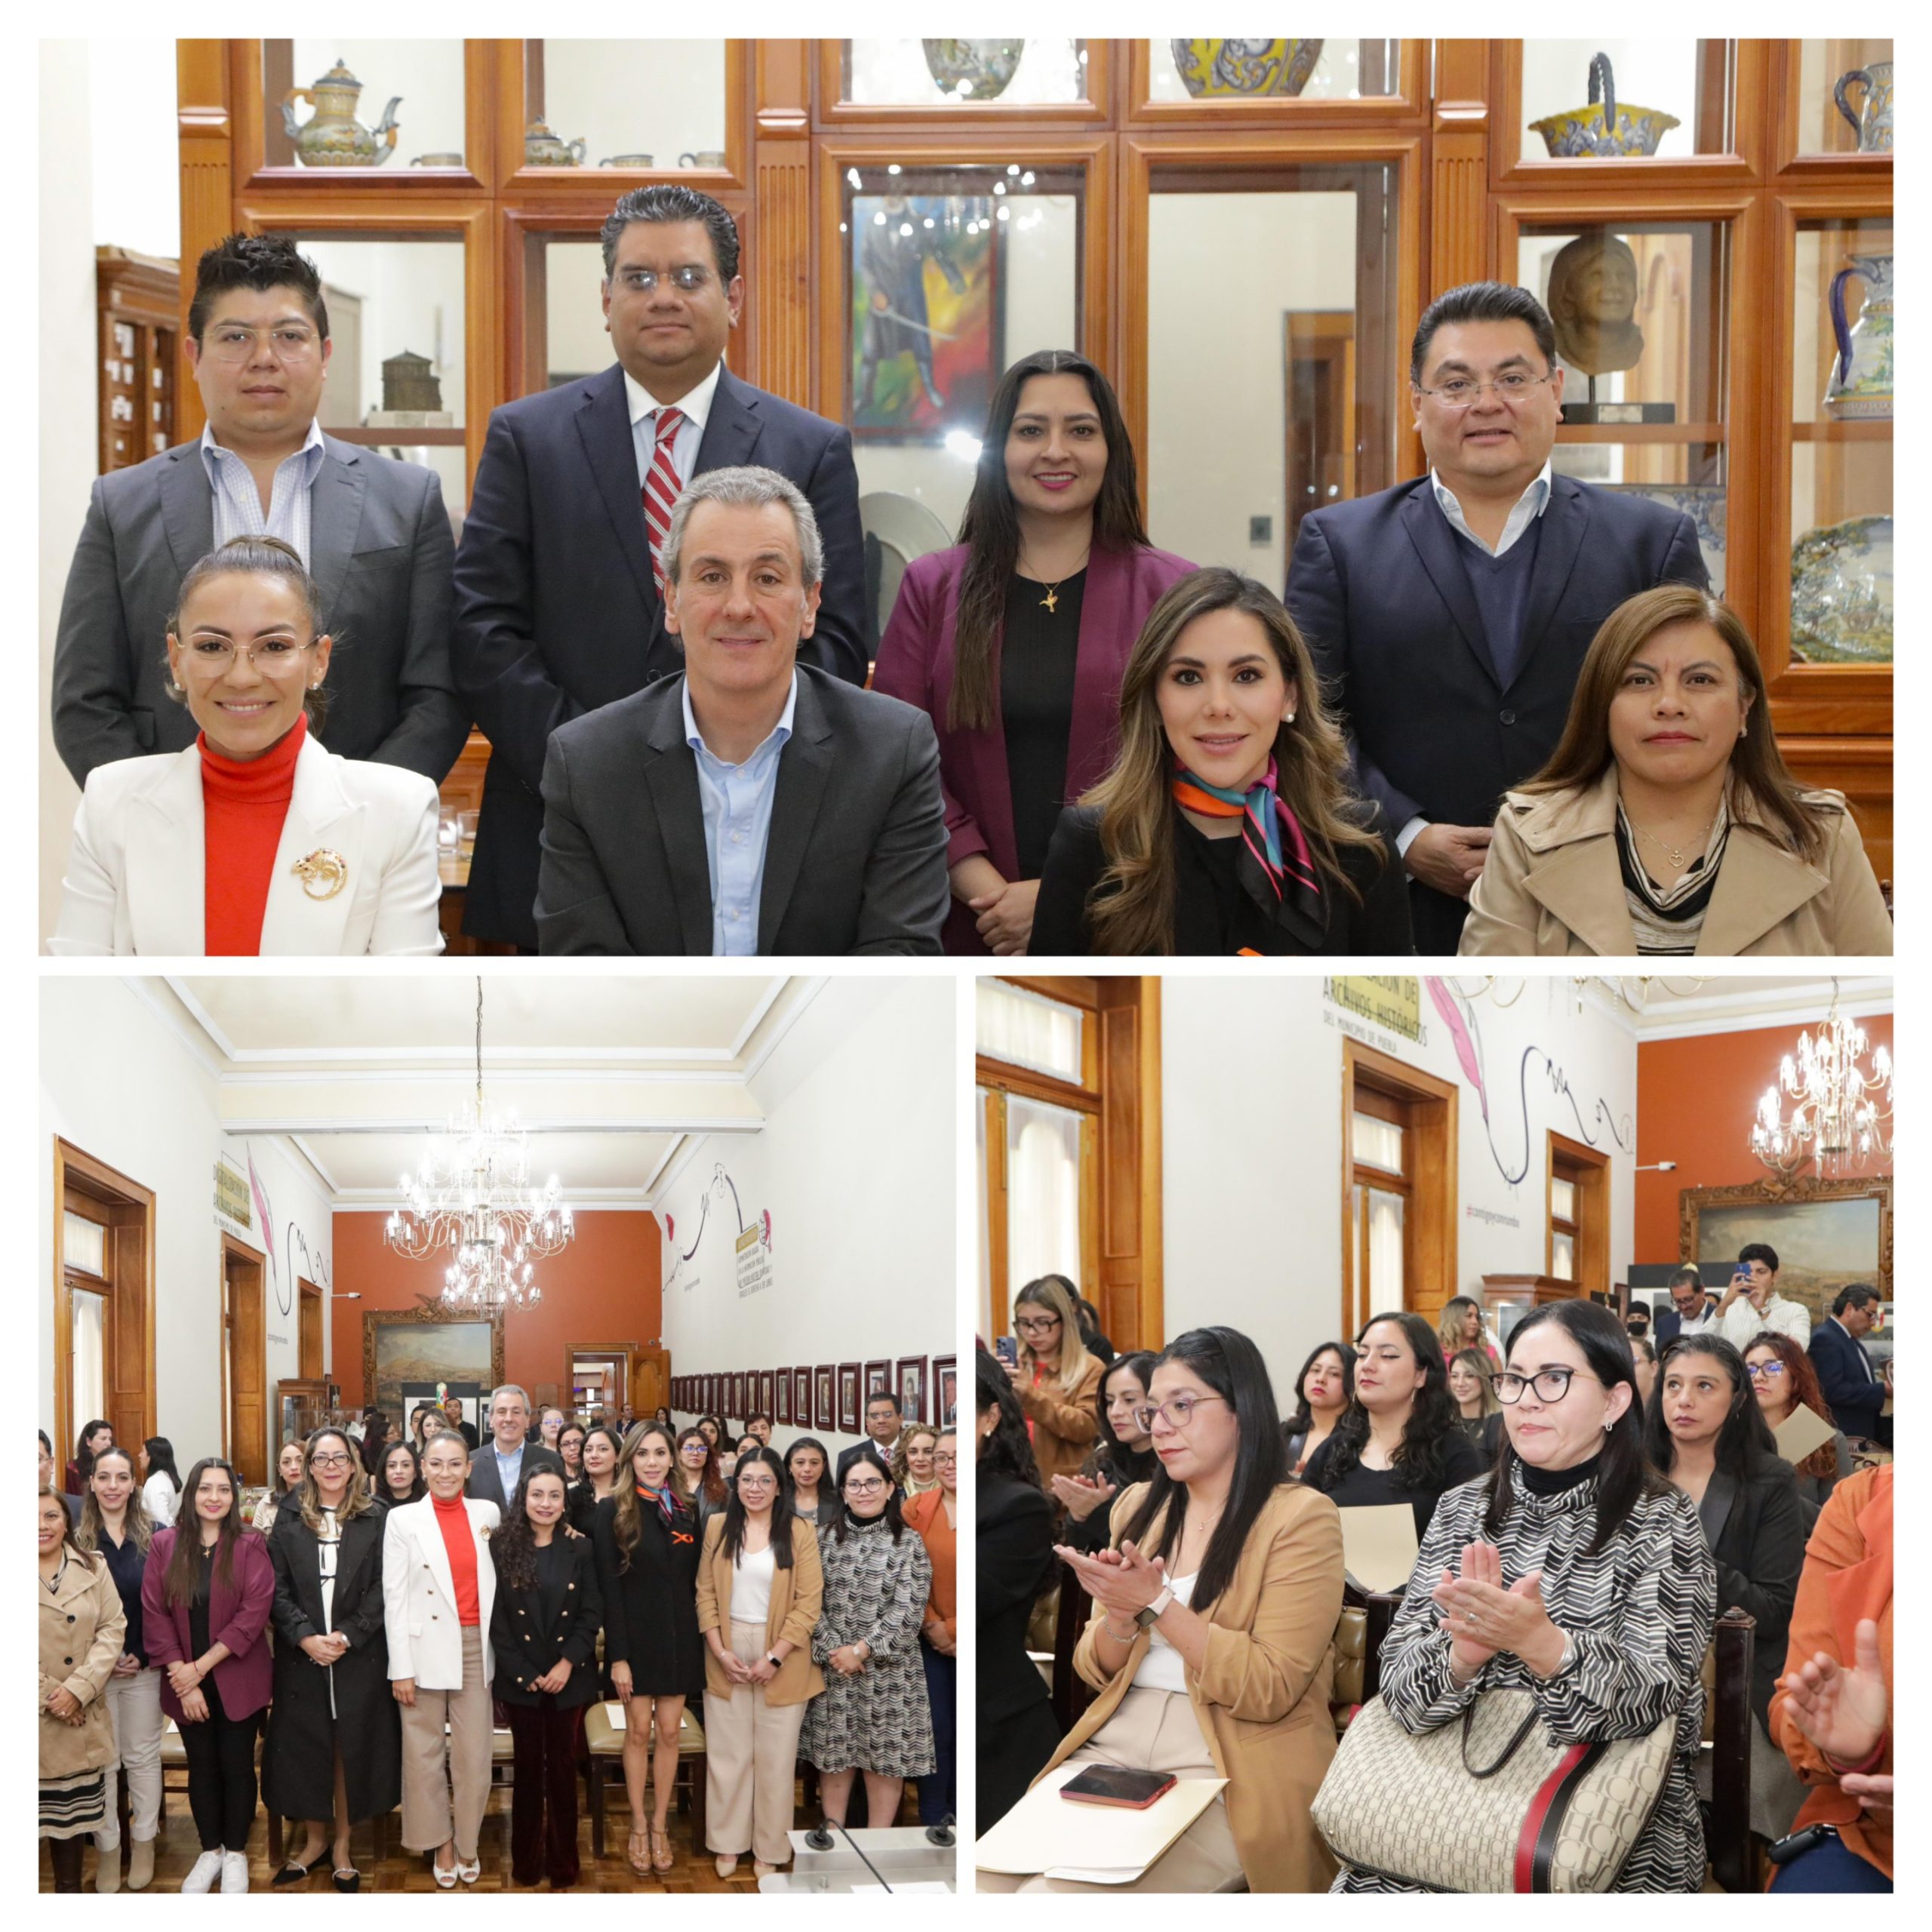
(1854, 1394)
(559, 582)
(1450, 615)
(1691, 1312)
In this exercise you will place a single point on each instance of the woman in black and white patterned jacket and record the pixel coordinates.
(1573, 1570)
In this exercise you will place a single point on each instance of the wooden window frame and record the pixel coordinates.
(1588, 1169)
(1786, 61)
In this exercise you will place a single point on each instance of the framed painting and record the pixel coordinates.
(910, 1386)
(879, 1379)
(946, 1390)
(1825, 1233)
(825, 1406)
(767, 1394)
(802, 1398)
(734, 1409)
(406, 1349)
(782, 1406)
(849, 1410)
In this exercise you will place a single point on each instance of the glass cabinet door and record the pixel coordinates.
(1844, 105)
(1179, 70)
(1608, 100)
(655, 106)
(329, 105)
(953, 73)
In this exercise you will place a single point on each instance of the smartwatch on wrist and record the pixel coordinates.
(1147, 1618)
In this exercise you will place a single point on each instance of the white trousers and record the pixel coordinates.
(134, 1704)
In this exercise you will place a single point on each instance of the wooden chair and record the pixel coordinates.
(1728, 1845)
(1071, 1693)
(604, 1744)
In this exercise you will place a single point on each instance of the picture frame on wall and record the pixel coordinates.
(802, 1398)
(909, 1385)
(767, 1394)
(734, 1410)
(879, 1379)
(782, 1406)
(946, 1391)
(849, 1407)
(825, 1405)
(418, 1347)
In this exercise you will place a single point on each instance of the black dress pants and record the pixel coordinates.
(221, 1774)
(543, 1793)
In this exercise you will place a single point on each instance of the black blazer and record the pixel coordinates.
(1852, 1390)
(531, 1630)
(650, 1609)
(856, 860)
(1015, 1553)
(1756, 1530)
(381, 552)
(556, 610)
(487, 1486)
(1075, 860)
(1384, 601)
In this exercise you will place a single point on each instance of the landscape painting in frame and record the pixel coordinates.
(398, 1352)
(1821, 1245)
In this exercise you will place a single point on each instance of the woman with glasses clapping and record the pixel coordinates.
(255, 840)
(1055, 1378)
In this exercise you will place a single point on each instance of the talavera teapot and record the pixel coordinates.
(332, 136)
(542, 149)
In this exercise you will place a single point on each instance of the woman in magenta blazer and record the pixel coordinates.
(1014, 641)
(205, 1599)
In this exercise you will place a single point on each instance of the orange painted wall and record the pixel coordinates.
(606, 1286)
(1695, 1101)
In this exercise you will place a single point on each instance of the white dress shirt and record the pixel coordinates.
(696, 405)
(1742, 1321)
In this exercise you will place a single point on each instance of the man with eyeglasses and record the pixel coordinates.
(1855, 1394)
(883, 1430)
(1450, 615)
(373, 532)
(1691, 1312)
(559, 579)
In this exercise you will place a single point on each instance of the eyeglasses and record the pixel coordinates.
(333, 1458)
(1036, 1324)
(868, 1487)
(273, 656)
(688, 279)
(946, 1462)
(1179, 1411)
(1552, 1385)
(1766, 1371)
(229, 342)
(1513, 385)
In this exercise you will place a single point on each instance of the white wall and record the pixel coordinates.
(659, 97)
(1251, 1139)
(119, 1083)
(855, 1165)
(136, 181)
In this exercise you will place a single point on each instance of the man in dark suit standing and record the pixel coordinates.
(502, 1462)
(373, 533)
(1450, 615)
(1691, 1312)
(559, 582)
(755, 804)
(884, 1427)
(1854, 1393)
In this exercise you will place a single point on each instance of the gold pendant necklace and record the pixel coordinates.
(1050, 602)
(1677, 858)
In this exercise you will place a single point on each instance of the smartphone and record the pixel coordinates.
(1007, 1349)
(1115, 1784)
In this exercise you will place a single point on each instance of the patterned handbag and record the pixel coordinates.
(1489, 1804)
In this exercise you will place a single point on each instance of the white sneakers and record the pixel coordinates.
(206, 1868)
(234, 1871)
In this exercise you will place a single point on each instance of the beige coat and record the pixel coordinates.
(82, 1626)
(1552, 885)
(798, 1596)
(1065, 1424)
(1262, 1695)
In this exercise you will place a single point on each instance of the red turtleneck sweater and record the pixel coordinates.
(459, 1540)
(243, 806)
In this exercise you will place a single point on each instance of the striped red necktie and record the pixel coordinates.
(661, 485)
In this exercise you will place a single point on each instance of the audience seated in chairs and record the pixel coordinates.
(1323, 1391)
(1123, 1455)
(1782, 1378)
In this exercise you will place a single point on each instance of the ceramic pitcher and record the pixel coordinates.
(332, 136)
(1872, 122)
(1861, 384)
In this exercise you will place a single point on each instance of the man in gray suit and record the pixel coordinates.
(502, 1462)
(373, 533)
(754, 805)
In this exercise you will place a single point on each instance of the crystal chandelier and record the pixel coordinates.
(1837, 1119)
(472, 1195)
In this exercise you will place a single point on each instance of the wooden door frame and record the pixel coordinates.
(1593, 1216)
(306, 1291)
(626, 1352)
(1434, 1200)
(230, 1246)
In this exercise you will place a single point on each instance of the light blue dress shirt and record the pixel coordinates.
(238, 503)
(737, 801)
(509, 1469)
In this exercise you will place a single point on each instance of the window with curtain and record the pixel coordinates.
(1023, 1029)
(1043, 1191)
(87, 1365)
(84, 1244)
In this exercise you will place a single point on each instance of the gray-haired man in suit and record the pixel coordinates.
(502, 1462)
(373, 532)
(754, 805)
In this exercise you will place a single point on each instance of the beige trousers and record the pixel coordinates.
(426, 1784)
(751, 1754)
(1151, 1730)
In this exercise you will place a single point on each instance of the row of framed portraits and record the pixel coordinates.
(831, 1396)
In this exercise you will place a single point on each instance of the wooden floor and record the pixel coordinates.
(177, 1848)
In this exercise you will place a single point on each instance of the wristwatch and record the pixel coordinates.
(776, 1664)
(1147, 1618)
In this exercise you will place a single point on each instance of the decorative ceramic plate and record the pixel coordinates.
(1841, 593)
(1210, 67)
(1703, 503)
(973, 69)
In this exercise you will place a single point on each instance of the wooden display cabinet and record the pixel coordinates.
(137, 303)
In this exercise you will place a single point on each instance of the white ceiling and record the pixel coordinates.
(364, 1168)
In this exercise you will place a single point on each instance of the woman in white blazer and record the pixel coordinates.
(439, 1586)
(255, 840)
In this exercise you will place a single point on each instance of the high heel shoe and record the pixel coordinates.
(443, 1874)
(661, 1857)
(639, 1861)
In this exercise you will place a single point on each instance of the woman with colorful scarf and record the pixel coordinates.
(647, 1541)
(1225, 825)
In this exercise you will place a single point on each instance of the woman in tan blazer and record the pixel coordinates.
(1055, 1378)
(760, 1589)
(1211, 1639)
(1666, 820)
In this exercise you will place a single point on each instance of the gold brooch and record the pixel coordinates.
(323, 873)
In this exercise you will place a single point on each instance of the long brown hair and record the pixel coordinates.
(1801, 1379)
(1582, 754)
(627, 1525)
(709, 1481)
(178, 1584)
(139, 1525)
(1055, 1293)
(358, 1496)
(1131, 908)
(990, 528)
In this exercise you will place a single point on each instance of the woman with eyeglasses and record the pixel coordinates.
(1055, 1377)
(402, 1480)
(1573, 1571)
(807, 1467)
(699, 1474)
(569, 1449)
(1123, 1454)
(287, 1480)
(1209, 1641)
(333, 1753)
(873, 1720)
(255, 840)
(934, 1514)
(1783, 1380)
(1705, 1431)
(760, 1591)
(647, 1540)
(1323, 1392)
(1396, 1441)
